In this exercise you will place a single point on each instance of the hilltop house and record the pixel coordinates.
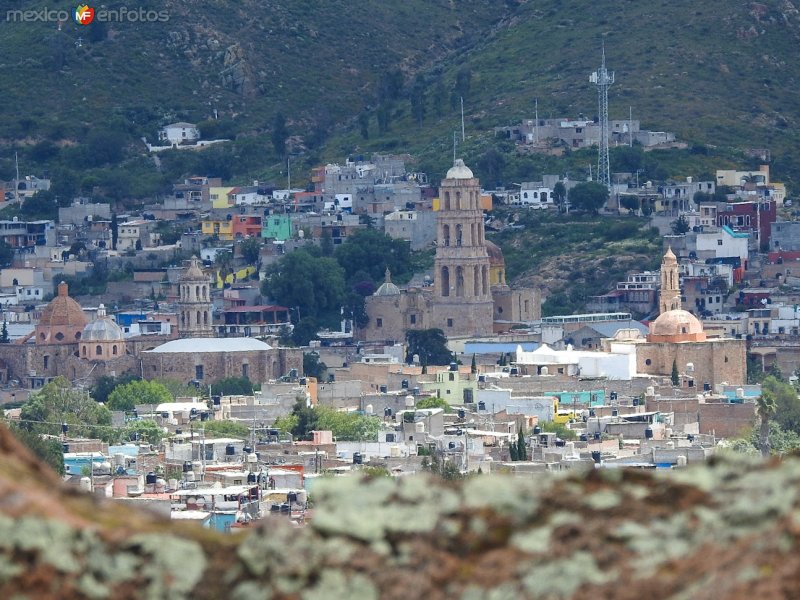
(179, 133)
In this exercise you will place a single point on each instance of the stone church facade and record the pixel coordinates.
(469, 296)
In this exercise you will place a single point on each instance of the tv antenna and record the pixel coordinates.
(603, 79)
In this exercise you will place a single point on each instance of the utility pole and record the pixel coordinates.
(536, 121)
(630, 126)
(603, 78)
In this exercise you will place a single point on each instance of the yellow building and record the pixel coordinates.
(219, 196)
(222, 228)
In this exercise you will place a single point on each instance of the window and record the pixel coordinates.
(449, 322)
(648, 362)
(114, 350)
(719, 242)
(46, 361)
(59, 336)
(246, 371)
(412, 319)
(98, 350)
(198, 371)
(379, 322)
(452, 377)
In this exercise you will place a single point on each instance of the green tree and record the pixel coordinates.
(313, 366)
(371, 251)
(225, 429)
(560, 191)
(103, 386)
(232, 386)
(561, 430)
(766, 407)
(787, 414)
(279, 134)
(6, 254)
(522, 448)
(473, 368)
(512, 452)
(441, 467)
(629, 202)
(305, 331)
(675, 376)
(430, 345)
(491, 166)
(58, 402)
(251, 250)
(48, 450)
(4, 339)
(363, 123)
(434, 403)
(589, 196)
(348, 426)
(114, 230)
(223, 262)
(145, 430)
(680, 225)
(178, 389)
(311, 284)
(126, 397)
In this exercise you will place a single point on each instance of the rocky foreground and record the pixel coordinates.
(728, 530)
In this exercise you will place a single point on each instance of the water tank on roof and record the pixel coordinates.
(650, 391)
(597, 435)
(409, 401)
(481, 378)
(681, 461)
(86, 484)
(453, 366)
(461, 413)
(648, 433)
(187, 466)
(358, 459)
(419, 427)
(252, 478)
(230, 450)
(383, 389)
(614, 412)
(404, 384)
(151, 478)
(178, 431)
(481, 405)
(537, 430)
(596, 456)
(584, 437)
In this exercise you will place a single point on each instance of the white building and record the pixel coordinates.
(179, 133)
(619, 364)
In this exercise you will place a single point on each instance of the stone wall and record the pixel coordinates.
(728, 529)
(715, 361)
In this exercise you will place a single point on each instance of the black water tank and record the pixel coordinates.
(178, 431)
(151, 478)
(537, 430)
(597, 435)
(481, 405)
(451, 445)
(636, 402)
(596, 456)
(404, 384)
(357, 458)
(291, 497)
(384, 389)
(275, 508)
(252, 478)
(592, 413)
(387, 412)
(216, 400)
(584, 437)
(453, 366)
(230, 450)
(187, 466)
(560, 443)
(247, 449)
(461, 413)
(285, 508)
(204, 416)
(614, 412)
(64, 428)
(648, 433)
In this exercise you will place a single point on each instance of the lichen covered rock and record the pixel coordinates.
(726, 530)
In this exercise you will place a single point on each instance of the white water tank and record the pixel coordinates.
(173, 484)
(86, 484)
(681, 461)
(369, 409)
(545, 371)
(409, 401)
(740, 392)
(252, 458)
(650, 391)
(419, 427)
(188, 476)
(394, 452)
(119, 460)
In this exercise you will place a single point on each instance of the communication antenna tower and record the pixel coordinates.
(603, 78)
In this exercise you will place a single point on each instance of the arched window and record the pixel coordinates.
(458, 200)
(199, 318)
(59, 336)
(472, 237)
(485, 277)
(446, 234)
(476, 281)
(197, 292)
(83, 351)
(447, 200)
(205, 318)
(98, 350)
(459, 234)
(114, 350)
(459, 281)
(445, 281)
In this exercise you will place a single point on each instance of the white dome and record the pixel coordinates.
(102, 329)
(459, 171)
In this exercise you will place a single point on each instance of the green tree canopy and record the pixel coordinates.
(434, 403)
(126, 397)
(145, 430)
(680, 225)
(226, 429)
(430, 345)
(232, 386)
(251, 250)
(313, 284)
(590, 196)
(103, 386)
(58, 402)
(48, 450)
(787, 413)
(346, 426)
(313, 366)
(371, 251)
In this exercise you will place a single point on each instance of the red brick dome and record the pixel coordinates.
(63, 311)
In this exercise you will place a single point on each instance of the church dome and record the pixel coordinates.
(459, 171)
(194, 273)
(387, 288)
(677, 326)
(102, 329)
(62, 311)
(495, 254)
